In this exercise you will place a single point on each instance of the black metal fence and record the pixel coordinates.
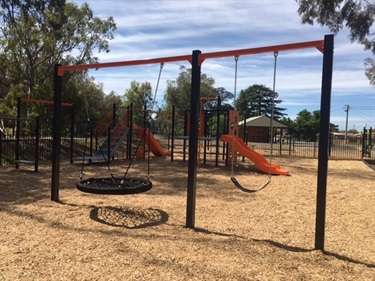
(338, 148)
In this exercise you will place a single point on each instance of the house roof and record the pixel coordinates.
(261, 121)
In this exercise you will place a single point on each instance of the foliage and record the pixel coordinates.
(139, 95)
(306, 125)
(36, 35)
(178, 91)
(357, 16)
(370, 70)
(225, 98)
(256, 100)
(333, 127)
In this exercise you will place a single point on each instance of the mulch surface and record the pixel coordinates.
(267, 235)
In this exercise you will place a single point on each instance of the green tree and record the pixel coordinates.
(288, 122)
(35, 35)
(225, 96)
(256, 100)
(357, 16)
(306, 125)
(111, 99)
(179, 91)
(139, 95)
(333, 127)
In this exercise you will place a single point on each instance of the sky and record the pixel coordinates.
(154, 29)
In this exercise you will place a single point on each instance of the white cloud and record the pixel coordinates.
(163, 28)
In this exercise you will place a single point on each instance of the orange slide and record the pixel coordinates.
(151, 142)
(254, 156)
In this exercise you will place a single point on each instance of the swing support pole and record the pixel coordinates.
(56, 135)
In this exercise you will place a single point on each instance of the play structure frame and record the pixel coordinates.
(51, 103)
(196, 59)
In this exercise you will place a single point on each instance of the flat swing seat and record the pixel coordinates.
(25, 162)
(115, 186)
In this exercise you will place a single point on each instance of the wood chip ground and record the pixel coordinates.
(268, 235)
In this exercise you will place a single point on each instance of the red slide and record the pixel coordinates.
(254, 156)
(151, 142)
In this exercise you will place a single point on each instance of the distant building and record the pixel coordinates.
(258, 129)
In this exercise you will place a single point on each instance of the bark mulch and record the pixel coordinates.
(267, 235)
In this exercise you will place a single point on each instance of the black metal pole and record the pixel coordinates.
(173, 130)
(217, 131)
(113, 115)
(193, 139)
(1, 149)
(364, 142)
(185, 135)
(56, 135)
(325, 106)
(130, 135)
(370, 142)
(92, 140)
(72, 116)
(204, 136)
(108, 144)
(244, 133)
(37, 140)
(18, 131)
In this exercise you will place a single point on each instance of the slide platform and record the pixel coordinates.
(151, 142)
(258, 159)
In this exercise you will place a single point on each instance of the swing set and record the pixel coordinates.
(120, 185)
(196, 59)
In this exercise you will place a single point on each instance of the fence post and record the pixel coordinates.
(18, 129)
(1, 148)
(109, 144)
(72, 113)
(173, 130)
(37, 138)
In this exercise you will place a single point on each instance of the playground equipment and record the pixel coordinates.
(208, 137)
(20, 101)
(122, 129)
(113, 185)
(196, 60)
(112, 142)
(259, 160)
(151, 141)
(235, 144)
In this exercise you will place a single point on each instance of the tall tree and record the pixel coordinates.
(140, 96)
(35, 35)
(178, 91)
(357, 16)
(226, 98)
(306, 125)
(256, 100)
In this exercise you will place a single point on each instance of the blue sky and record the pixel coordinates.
(151, 29)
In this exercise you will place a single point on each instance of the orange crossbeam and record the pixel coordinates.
(319, 44)
(62, 69)
(44, 102)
